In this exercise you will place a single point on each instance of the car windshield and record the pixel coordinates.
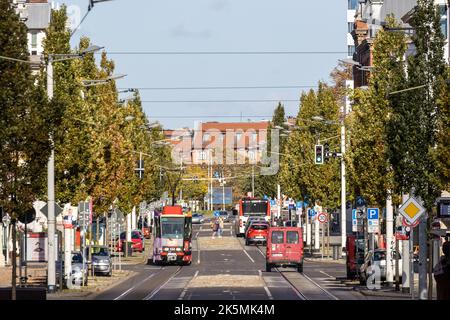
(172, 228)
(277, 237)
(100, 251)
(77, 258)
(379, 255)
(259, 226)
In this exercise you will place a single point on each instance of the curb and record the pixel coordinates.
(379, 293)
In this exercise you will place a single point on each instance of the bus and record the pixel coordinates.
(172, 234)
(251, 207)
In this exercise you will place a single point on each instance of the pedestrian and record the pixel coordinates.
(221, 225)
(215, 227)
(442, 273)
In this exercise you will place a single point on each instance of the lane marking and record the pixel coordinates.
(327, 274)
(268, 293)
(154, 292)
(186, 287)
(196, 236)
(249, 256)
(198, 252)
(318, 285)
(133, 287)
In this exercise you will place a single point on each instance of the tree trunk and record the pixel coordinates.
(14, 262)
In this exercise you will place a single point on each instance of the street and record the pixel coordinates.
(225, 269)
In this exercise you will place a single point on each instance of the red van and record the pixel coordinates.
(284, 248)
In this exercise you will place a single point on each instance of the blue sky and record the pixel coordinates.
(217, 25)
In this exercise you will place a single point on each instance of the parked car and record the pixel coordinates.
(197, 218)
(225, 216)
(137, 241)
(101, 259)
(79, 270)
(257, 233)
(379, 260)
(284, 248)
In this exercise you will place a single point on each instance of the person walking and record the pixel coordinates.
(221, 225)
(442, 273)
(215, 227)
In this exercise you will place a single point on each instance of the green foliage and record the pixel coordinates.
(300, 177)
(24, 120)
(416, 118)
(369, 169)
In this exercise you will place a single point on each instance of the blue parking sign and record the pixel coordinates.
(354, 214)
(311, 213)
(372, 213)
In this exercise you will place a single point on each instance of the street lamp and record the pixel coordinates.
(51, 271)
(97, 82)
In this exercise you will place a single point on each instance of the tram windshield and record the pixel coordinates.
(172, 228)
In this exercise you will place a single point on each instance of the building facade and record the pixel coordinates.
(370, 17)
(351, 10)
(36, 15)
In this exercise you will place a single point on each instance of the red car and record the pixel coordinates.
(257, 233)
(284, 248)
(136, 238)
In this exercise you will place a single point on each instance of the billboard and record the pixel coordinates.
(37, 247)
(218, 195)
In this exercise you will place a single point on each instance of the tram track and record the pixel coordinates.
(305, 276)
(156, 290)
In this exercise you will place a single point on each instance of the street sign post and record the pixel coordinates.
(412, 210)
(322, 217)
(58, 210)
(372, 220)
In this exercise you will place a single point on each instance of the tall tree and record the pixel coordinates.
(415, 121)
(369, 170)
(24, 125)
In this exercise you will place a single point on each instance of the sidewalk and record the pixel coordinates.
(5, 276)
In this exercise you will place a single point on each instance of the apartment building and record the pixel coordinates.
(370, 17)
(36, 15)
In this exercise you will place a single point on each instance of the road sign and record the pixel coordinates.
(411, 210)
(373, 215)
(311, 213)
(356, 221)
(216, 213)
(273, 202)
(58, 210)
(322, 217)
(411, 225)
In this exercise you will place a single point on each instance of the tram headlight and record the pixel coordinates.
(166, 249)
(178, 249)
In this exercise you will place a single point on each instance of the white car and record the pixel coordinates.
(377, 258)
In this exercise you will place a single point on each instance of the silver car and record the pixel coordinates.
(101, 259)
(79, 270)
(197, 218)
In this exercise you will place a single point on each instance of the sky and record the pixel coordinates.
(216, 26)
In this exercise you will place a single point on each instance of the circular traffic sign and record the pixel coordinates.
(407, 224)
(322, 217)
(6, 219)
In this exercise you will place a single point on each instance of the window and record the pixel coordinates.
(254, 137)
(352, 4)
(350, 27)
(292, 237)
(34, 40)
(205, 137)
(202, 155)
(238, 136)
(443, 11)
(277, 237)
(251, 155)
(351, 51)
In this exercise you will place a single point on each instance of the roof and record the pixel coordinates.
(38, 15)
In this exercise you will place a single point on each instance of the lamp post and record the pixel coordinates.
(51, 270)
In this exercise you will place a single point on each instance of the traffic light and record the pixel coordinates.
(318, 154)
(326, 151)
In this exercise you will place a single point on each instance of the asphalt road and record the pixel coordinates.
(225, 269)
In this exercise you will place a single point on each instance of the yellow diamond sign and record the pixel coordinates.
(411, 210)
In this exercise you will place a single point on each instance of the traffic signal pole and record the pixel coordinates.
(343, 189)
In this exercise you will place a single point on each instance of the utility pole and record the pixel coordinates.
(279, 200)
(405, 259)
(423, 255)
(389, 239)
(51, 270)
(253, 180)
(343, 188)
